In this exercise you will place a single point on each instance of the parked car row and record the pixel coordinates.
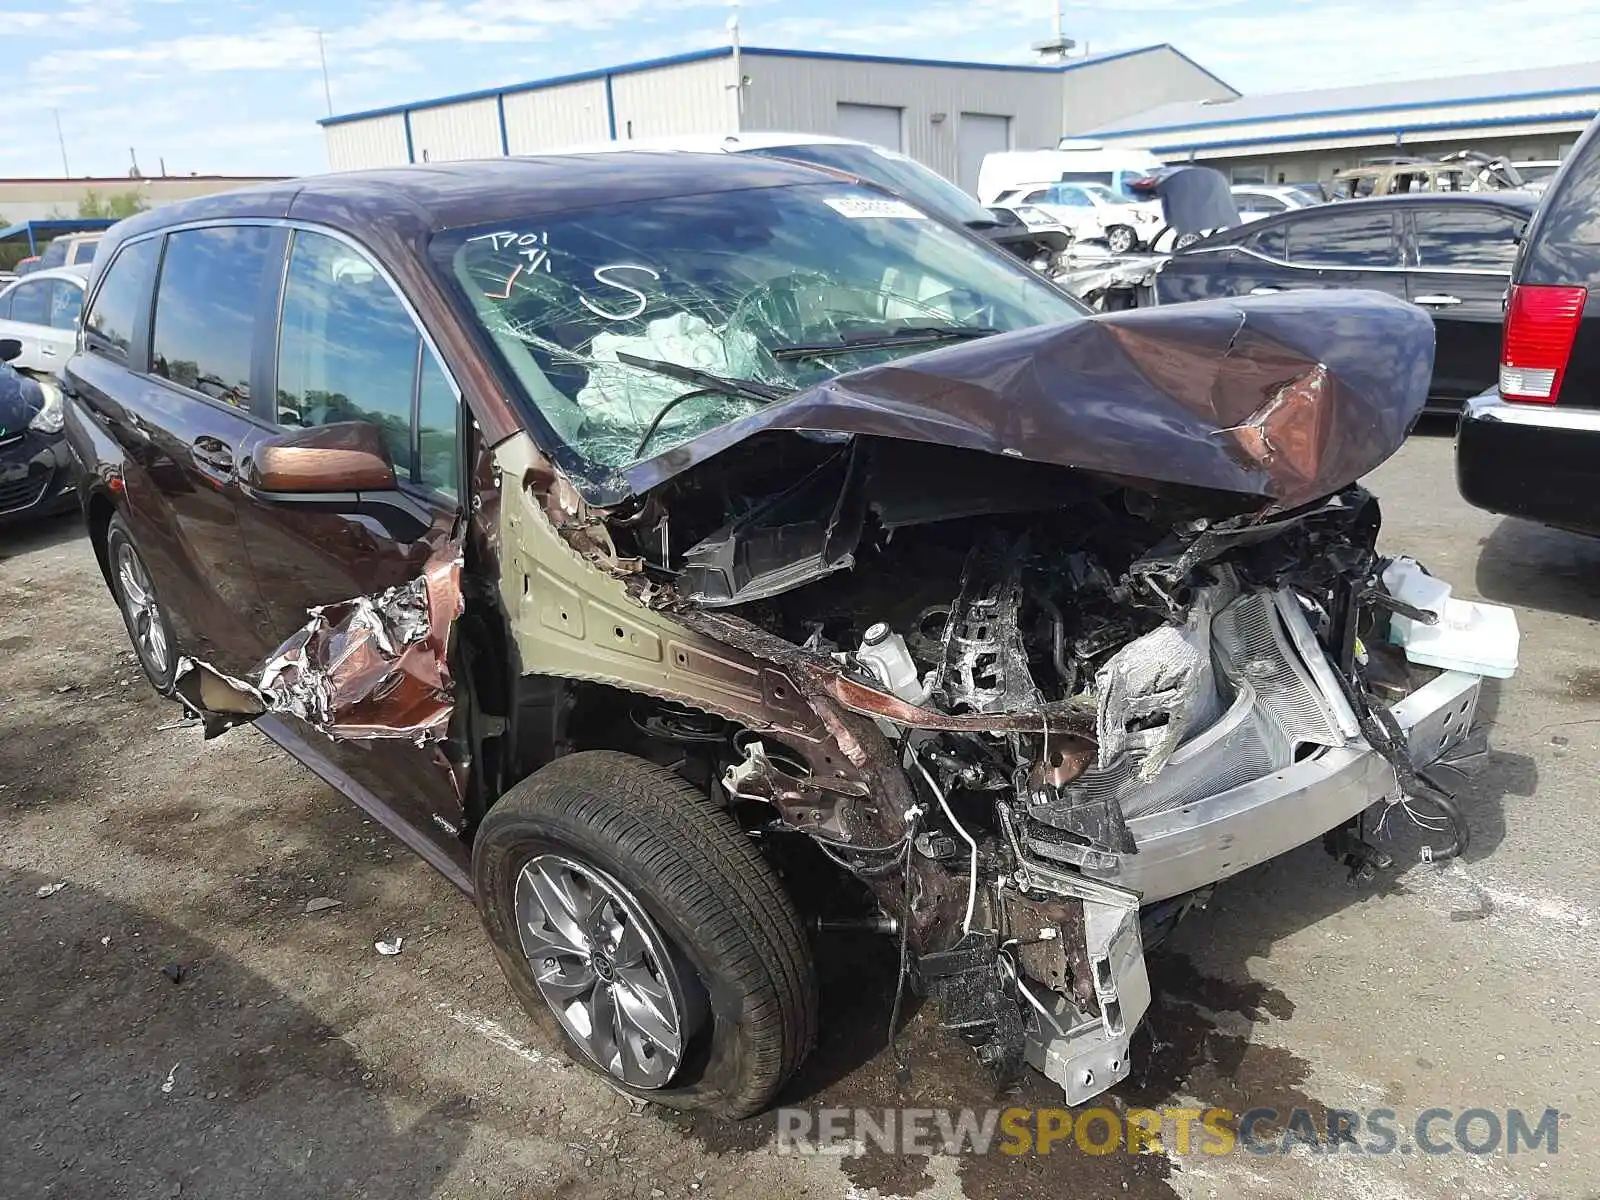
(38, 333)
(69, 250)
(1449, 255)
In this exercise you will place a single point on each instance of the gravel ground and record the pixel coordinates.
(292, 1060)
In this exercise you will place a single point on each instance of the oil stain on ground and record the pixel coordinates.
(1179, 1053)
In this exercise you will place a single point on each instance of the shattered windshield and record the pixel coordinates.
(635, 327)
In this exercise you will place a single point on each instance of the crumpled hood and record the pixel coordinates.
(1288, 397)
(20, 401)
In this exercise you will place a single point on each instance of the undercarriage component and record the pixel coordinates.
(965, 982)
(1087, 1051)
(782, 781)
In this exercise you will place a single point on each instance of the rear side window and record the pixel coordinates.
(1344, 240)
(55, 254)
(1272, 242)
(1255, 202)
(1475, 239)
(30, 303)
(349, 350)
(110, 325)
(1563, 244)
(205, 309)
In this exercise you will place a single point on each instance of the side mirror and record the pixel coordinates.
(10, 348)
(347, 456)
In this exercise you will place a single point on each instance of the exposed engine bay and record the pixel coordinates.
(1049, 657)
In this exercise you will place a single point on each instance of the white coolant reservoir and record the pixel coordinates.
(883, 652)
(1469, 635)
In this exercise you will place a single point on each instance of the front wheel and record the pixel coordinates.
(639, 925)
(1121, 239)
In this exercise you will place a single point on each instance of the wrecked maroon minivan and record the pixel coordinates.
(686, 553)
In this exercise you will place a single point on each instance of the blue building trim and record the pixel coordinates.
(411, 151)
(611, 111)
(500, 112)
(648, 64)
(1371, 130)
(1268, 118)
(693, 56)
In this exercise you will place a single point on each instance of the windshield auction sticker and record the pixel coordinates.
(859, 208)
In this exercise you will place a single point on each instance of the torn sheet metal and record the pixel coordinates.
(1287, 397)
(365, 668)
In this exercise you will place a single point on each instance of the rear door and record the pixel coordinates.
(348, 348)
(177, 395)
(1462, 256)
(1354, 246)
(1247, 262)
(59, 338)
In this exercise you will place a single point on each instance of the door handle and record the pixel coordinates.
(1438, 301)
(212, 454)
(1265, 291)
(46, 350)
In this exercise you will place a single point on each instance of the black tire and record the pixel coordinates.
(698, 877)
(1122, 239)
(119, 542)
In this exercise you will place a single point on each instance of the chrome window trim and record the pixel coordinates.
(292, 224)
(1304, 266)
(337, 235)
(92, 297)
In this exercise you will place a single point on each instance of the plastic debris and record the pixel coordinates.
(166, 1088)
(49, 889)
(322, 903)
(389, 949)
(175, 972)
(105, 941)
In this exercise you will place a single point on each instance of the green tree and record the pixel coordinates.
(116, 206)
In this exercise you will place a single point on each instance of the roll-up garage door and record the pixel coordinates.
(979, 134)
(871, 123)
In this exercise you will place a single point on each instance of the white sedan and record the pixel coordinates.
(1093, 212)
(1257, 200)
(41, 311)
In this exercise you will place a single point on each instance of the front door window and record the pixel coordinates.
(349, 350)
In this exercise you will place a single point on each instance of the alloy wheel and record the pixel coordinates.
(144, 616)
(604, 968)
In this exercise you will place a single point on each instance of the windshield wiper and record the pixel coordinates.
(706, 383)
(913, 335)
(745, 389)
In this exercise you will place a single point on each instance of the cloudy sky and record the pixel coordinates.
(217, 87)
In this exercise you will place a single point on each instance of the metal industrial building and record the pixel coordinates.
(1528, 114)
(947, 115)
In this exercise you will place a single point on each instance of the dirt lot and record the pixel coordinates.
(292, 1060)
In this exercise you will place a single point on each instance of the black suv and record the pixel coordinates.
(1531, 447)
